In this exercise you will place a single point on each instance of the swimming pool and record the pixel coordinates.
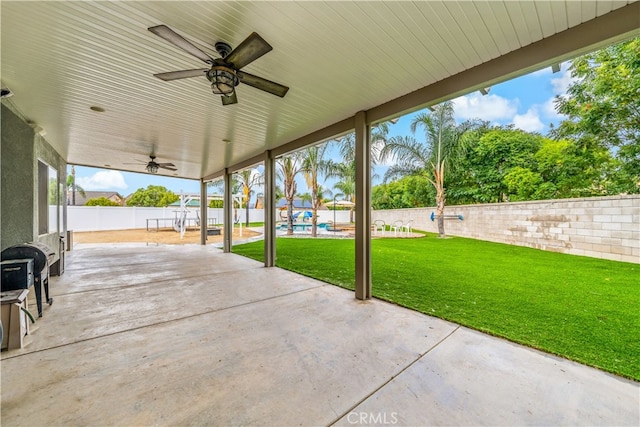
(303, 226)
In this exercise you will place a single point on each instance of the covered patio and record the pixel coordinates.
(104, 84)
(189, 335)
(160, 335)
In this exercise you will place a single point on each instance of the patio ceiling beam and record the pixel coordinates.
(332, 131)
(237, 167)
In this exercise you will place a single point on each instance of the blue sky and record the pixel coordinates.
(526, 102)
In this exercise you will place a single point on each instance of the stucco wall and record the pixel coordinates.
(17, 179)
(600, 227)
(22, 148)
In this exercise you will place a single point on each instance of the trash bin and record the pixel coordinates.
(57, 268)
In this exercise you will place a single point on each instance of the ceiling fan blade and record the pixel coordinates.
(251, 48)
(183, 74)
(172, 37)
(164, 166)
(262, 84)
(231, 99)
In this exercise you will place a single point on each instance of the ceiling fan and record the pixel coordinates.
(223, 73)
(153, 166)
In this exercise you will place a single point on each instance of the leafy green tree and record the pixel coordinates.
(152, 196)
(603, 108)
(495, 154)
(574, 171)
(523, 183)
(408, 192)
(101, 201)
(506, 164)
(219, 204)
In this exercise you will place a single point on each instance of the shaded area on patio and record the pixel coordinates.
(144, 335)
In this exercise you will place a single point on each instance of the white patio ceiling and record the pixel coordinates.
(338, 58)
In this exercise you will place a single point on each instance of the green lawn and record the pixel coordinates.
(581, 308)
(251, 224)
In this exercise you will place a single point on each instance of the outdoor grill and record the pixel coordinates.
(42, 255)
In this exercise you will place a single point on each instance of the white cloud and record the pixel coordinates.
(488, 107)
(549, 111)
(529, 121)
(561, 83)
(103, 180)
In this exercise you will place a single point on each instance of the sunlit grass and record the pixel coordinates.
(581, 308)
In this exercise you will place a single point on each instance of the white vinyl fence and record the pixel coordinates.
(99, 218)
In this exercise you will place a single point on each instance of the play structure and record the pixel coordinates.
(188, 214)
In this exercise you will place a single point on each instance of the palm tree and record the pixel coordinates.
(346, 173)
(314, 165)
(73, 187)
(378, 138)
(289, 167)
(442, 141)
(248, 179)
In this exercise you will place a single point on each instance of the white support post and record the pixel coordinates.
(203, 212)
(228, 212)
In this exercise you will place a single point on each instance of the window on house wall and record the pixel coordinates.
(48, 199)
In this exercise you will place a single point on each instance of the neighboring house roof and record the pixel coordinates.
(298, 203)
(88, 195)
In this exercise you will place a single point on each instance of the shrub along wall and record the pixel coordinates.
(600, 227)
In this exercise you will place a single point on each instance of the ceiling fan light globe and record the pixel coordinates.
(223, 80)
(153, 168)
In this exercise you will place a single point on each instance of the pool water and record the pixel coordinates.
(303, 227)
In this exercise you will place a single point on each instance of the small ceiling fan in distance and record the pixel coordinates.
(153, 166)
(223, 73)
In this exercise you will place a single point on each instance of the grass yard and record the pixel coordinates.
(584, 309)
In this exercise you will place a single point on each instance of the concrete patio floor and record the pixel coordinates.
(188, 335)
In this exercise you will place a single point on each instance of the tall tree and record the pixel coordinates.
(379, 134)
(288, 168)
(72, 186)
(345, 170)
(428, 158)
(248, 179)
(603, 108)
(346, 184)
(313, 166)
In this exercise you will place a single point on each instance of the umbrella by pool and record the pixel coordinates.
(305, 215)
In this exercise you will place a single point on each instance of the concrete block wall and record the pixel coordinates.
(600, 227)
